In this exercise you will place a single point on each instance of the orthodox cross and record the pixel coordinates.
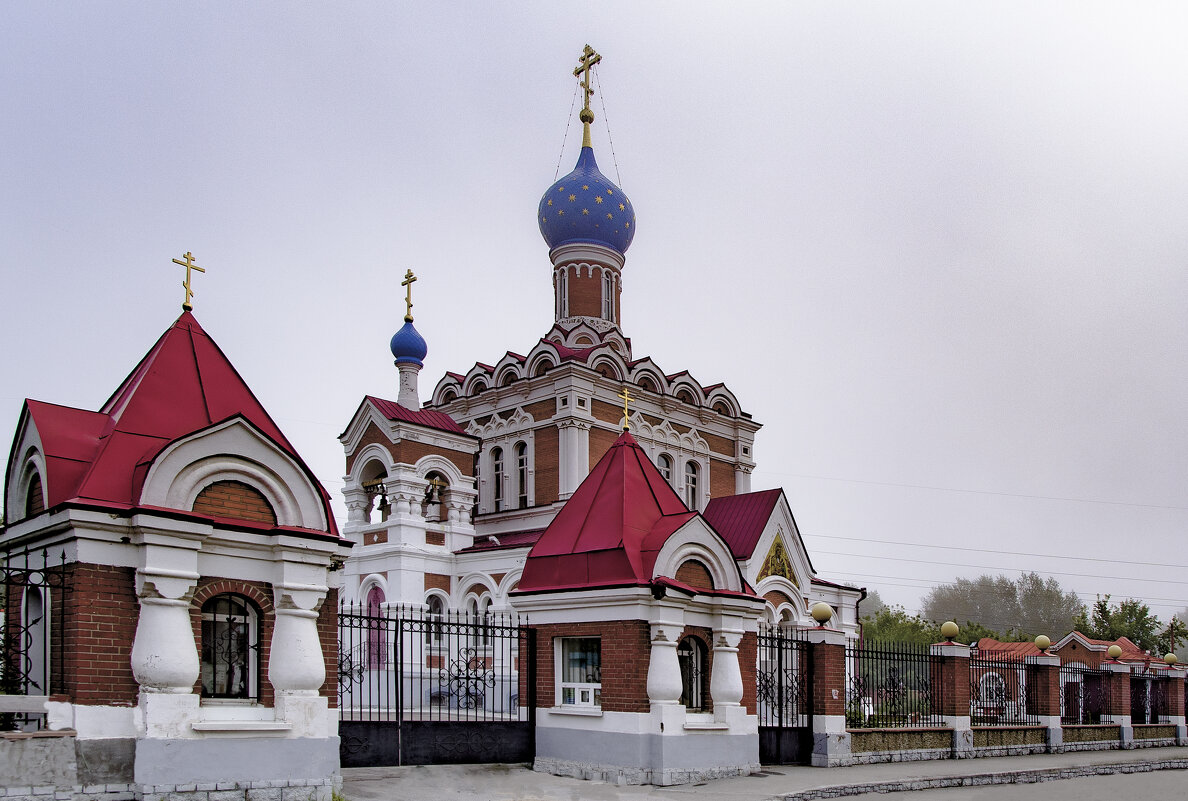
(588, 59)
(189, 265)
(408, 282)
(626, 396)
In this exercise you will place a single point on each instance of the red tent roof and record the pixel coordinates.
(610, 531)
(185, 383)
(424, 417)
(740, 519)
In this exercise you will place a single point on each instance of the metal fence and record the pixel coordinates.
(998, 692)
(782, 677)
(1149, 699)
(892, 685)
(1084, 695)
(33, 586)
(409, 664)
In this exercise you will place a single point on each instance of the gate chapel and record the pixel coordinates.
(446, 499)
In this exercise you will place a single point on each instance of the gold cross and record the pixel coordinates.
(408, 282)
(189, 265)
(626, 396)
(588, 59)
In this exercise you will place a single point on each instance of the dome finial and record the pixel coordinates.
(408, 282)
(588, 59)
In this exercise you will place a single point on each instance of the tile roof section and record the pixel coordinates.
(185, 383)
(611, 530)
(425, 417)
(988, 646)
(740, 519)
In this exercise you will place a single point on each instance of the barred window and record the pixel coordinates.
(230, 643)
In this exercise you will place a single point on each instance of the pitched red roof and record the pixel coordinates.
(740, 519)
(185, 383)
(988, 646)
(511, 539)
(425, 417)
(610, 531)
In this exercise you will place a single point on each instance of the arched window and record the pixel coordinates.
(230, 643)
(608, 295)
(432, 508)
(34, 500)
(664, 465)
(692, 472)
(497, 478)
(691, 657)
(521, 475)
(563, 293)
(377, 635)
(436, 612)
(685, 396)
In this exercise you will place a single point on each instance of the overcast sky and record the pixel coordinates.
(938, 249)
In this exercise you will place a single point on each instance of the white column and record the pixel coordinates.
(573, 456)
(726, 684)
(742, 478)
(164, 656)
(295, 663)
(664, 670)
(409, 397)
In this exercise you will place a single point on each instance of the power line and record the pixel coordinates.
(1001, 552)
(965, 490)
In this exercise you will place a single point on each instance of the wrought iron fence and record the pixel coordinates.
(782, 687)
(998, 692)
(32, 589)
(408, 664)
(1084, 695)
(1149, 698)
(892, 685)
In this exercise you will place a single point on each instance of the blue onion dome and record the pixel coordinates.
(408, 346)
(585, 206)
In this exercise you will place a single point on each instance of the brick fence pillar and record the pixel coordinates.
(1043, 697)
(950, 698)
(1117, 678)
(1175, 704)
(831, 741)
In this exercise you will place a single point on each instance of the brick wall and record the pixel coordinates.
(695, 574)
(719, 444)
(721, 478)
(600, 442)
(748, 661)
(626, 649)
(236, 500)
(1043, 689)
(328, 636)
(546, 444)
(585, 294)
(99, 622)
(541, 410)
(606, 412)
(829, 674)
(437, 581)
(776, 597)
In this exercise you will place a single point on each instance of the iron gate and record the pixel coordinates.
(33, 586)
(784, 697)
(417, 688)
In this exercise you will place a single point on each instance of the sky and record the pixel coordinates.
(937, 249)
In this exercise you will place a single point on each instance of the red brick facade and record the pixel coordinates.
(600, 442)
(236, 500)
(695, 574)
(548, 478)
(585, 293)
(437, 581)
(828, 679)
(99, 622)
(626, 650)
(721, 478)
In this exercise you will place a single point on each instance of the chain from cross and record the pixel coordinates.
(189, 265)
(588, 59)
(409, 278)
(626, 396)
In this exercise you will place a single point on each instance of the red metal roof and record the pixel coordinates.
(425, 417)
(988, 646)
(184, 384)
(610, 531)
(511, 539)
(740, 519)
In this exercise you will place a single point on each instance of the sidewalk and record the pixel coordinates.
(785, 782)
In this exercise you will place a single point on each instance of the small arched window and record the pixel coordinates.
(230, 644)
(692, 474)
(377, 635)
(563, 293)
(691, 655)
(685, 396)
(435, 613)
(497, 478)
(521, 475)
(664, 465)
(608, 295)
(34, 499)
(432, 506)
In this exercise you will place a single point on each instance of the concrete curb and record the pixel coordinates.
(982, 779)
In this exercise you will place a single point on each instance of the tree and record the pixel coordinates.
(1130, 618)
(872, 604)
(1173, 634)
(894, 624)
(1019, 609)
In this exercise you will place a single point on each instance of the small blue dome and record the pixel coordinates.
(585, 206)
(408, 346)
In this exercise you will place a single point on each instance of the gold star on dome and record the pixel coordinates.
(585, 186)
(560, 212)
(560, 189)
(609, 215)
(550, 201)
(585, 211)
(598, 199)
(622, 207)
(572, 198)
(626, 225)
(609, 192)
